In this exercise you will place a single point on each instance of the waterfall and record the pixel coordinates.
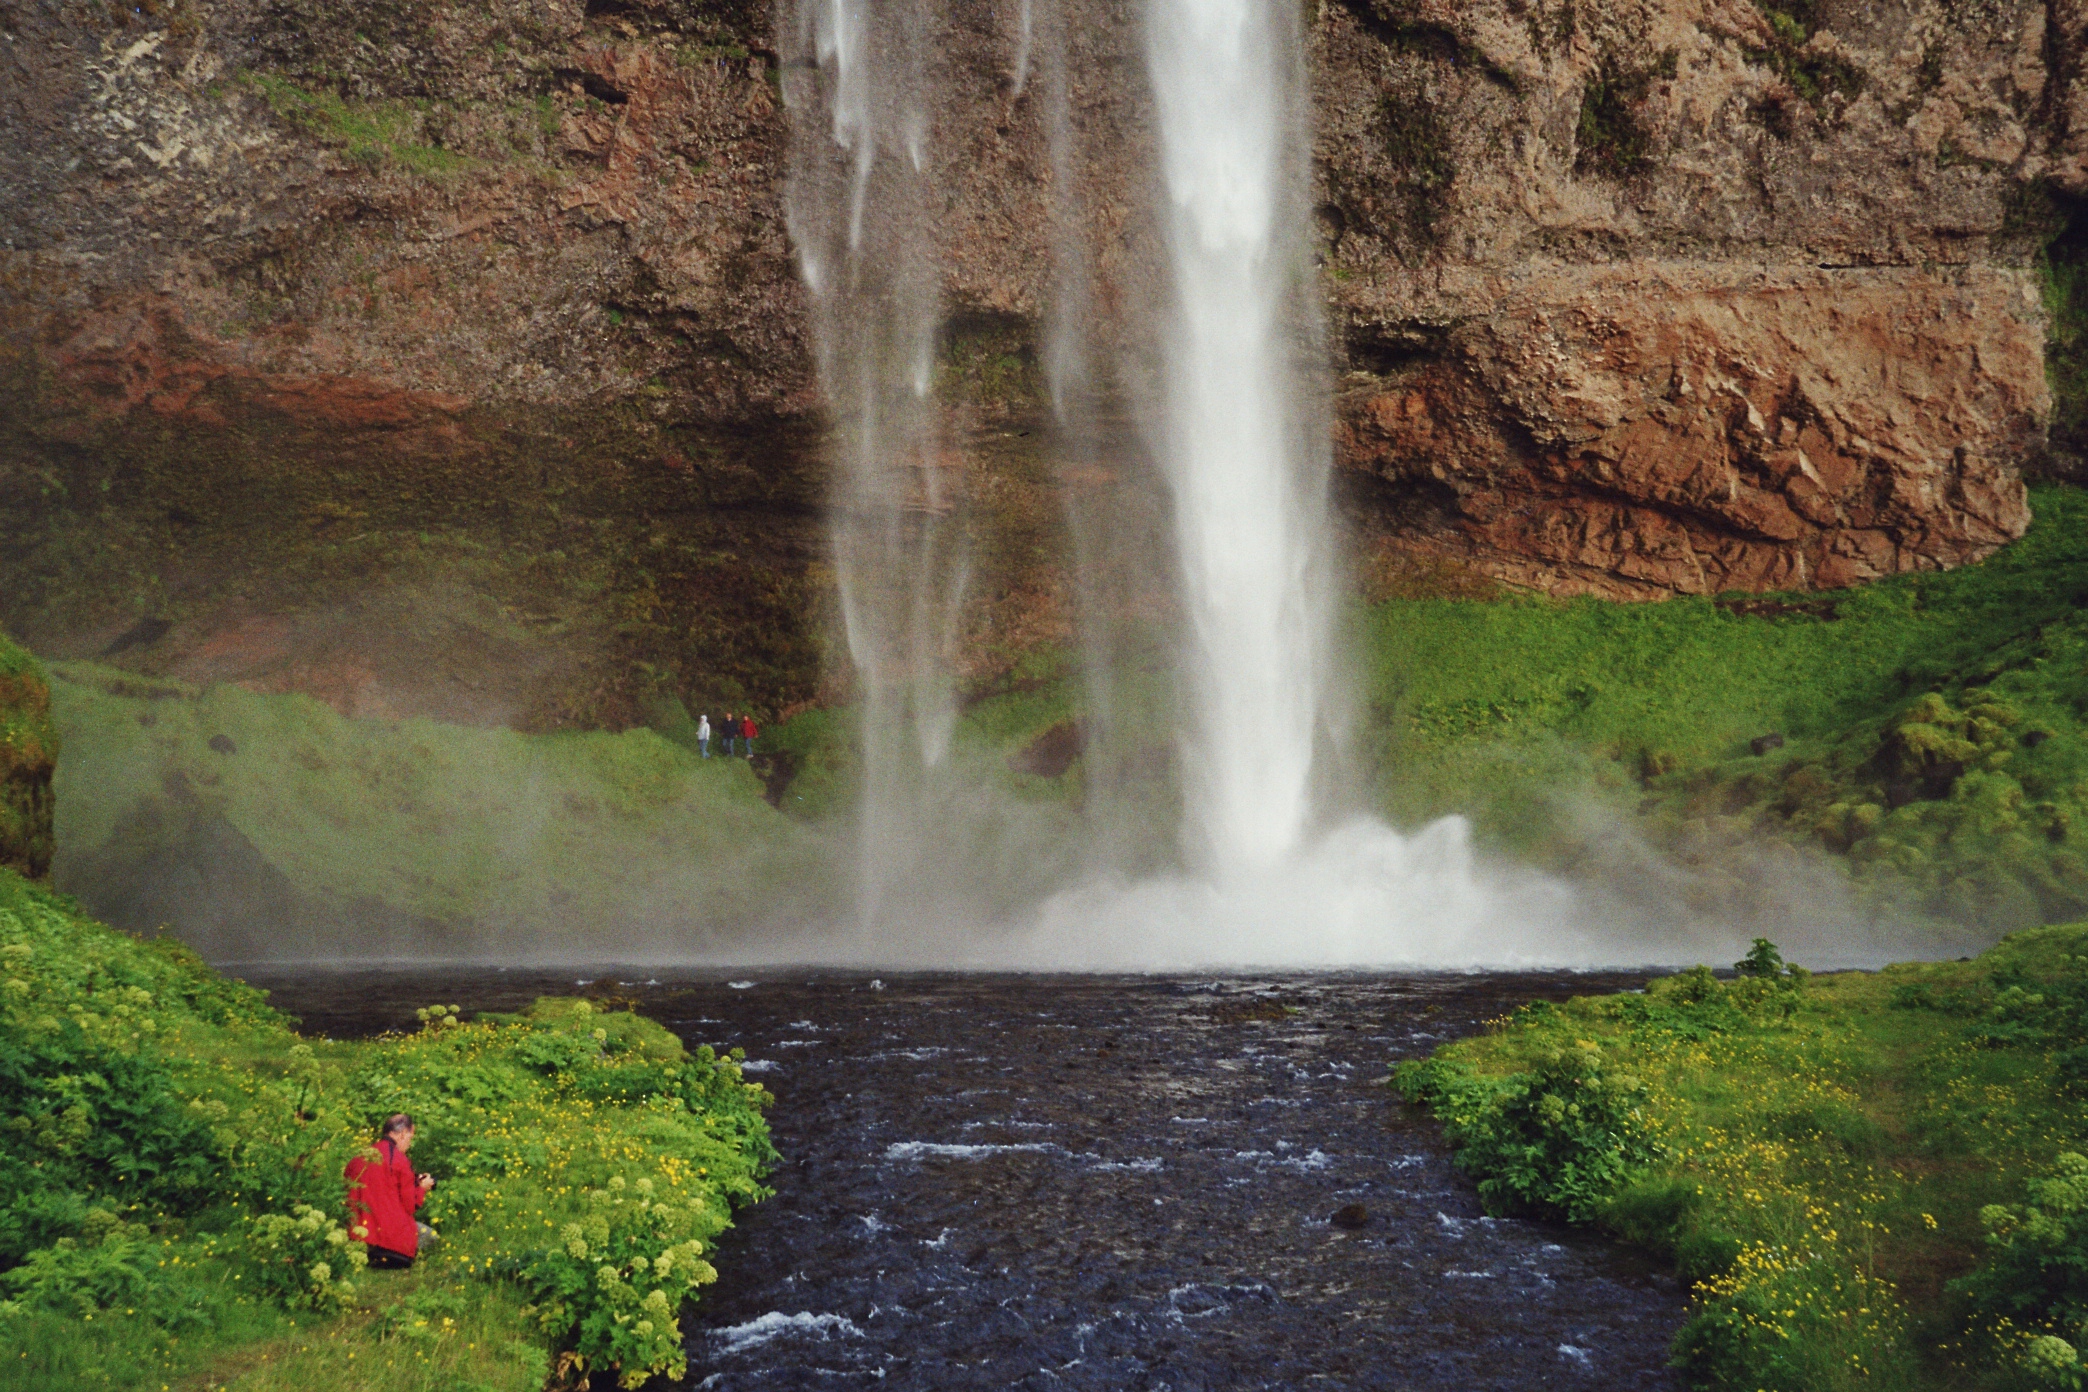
(1207, 380)
(1247, 476)
(1270, 878)
(861, 203)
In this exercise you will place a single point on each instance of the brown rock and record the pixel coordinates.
(1628, 297)
(1607, 430)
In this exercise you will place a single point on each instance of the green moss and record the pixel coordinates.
(28, 754)
(375, 133)
(1417, 142)
(1816, 77)
(2063, 270)
(1611, 137)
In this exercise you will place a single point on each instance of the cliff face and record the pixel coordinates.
(433, 359)
(1697, 296)
(450, 358)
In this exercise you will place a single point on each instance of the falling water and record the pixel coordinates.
(1270, 876)
(1216, 371)
(1247, 477)
(861, 202)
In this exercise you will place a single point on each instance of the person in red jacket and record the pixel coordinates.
(383, 1192)
(747, 733)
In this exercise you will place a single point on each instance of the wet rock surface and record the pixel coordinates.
(1112, 1183)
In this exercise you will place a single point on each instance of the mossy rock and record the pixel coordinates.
(28, 756)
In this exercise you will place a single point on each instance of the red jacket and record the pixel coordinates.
(382, 1194)
(747, 728)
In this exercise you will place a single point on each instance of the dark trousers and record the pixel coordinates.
(385, 1259)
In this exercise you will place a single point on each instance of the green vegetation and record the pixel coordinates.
(465, 836)
(1813, 75)
(173, 1196)
(1612, 137)
(1871, 1180)
(1932, 724)
(1932, 749)
(28, 751)
(374, 133)
(2064, 267)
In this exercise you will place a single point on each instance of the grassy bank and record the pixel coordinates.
(1873, 1181)
(1930, 725)
(171, 1197)
(236, 815)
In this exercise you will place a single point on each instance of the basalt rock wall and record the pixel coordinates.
(450, 358)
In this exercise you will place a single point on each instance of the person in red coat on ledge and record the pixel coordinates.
(383, 1191)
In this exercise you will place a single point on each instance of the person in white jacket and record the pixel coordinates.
(703, 734)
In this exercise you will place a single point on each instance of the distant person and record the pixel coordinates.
(747, 733)
(383, 1192)
(725, 733)
(703, 734)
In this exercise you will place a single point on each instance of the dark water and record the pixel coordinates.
(1108, 1183)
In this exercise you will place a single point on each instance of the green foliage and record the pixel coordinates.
(1556, 1142)
(1933, 724)
(1813, 1151)
(488, 833)
(1762, 962)
(1612, 137)
(618, 1275)
(307, 1258)
(173, 1160)
(374, 133)
(1794, 1321)
(2035, 1273)
(2063, 269)
(82, 1276)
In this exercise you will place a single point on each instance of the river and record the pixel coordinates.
(1106, 1183)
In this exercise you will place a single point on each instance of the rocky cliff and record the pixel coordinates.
(449, 358)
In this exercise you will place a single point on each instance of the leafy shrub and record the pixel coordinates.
(1557, 1141)
(87, 1119)
(618, 1278)
(2051, 1362)
(307, 1258)
(111, 1265)
(2035, 1275)
(69, 1278)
